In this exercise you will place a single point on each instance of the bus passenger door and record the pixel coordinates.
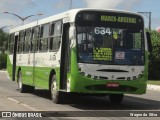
(14, 57)
(65, 53)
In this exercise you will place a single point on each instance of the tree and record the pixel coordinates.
(3, 47)
(3, 41)
(154, 59)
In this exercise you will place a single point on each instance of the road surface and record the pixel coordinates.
(78, 107)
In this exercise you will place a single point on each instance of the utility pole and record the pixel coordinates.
(70, 4)
(150, 20)
(148, 15)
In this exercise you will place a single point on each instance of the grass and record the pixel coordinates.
(154, 82)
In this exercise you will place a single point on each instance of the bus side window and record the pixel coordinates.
(56, 35)
(21, 41)
(27, 40)
(11, 43)
(19, 46)
(31, 42)
(35, 38)
(51, 39)
(24, 40)
(44, 36)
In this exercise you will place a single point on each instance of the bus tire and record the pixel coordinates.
(57, 96)
(23, 88)
(116, 98)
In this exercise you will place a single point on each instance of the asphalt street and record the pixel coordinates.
(78, 107)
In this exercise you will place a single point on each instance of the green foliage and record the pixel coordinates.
(153, 82)
(3, 60)
(3, 47)
(154, 59)
(137, 40)
(3, 41)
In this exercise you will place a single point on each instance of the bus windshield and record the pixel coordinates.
(112, 46)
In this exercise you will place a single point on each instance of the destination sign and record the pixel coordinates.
(109, 20)
(102, 54)
(118, 19)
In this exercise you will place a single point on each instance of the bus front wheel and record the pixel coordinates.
(55, 94)
(116, 98)
(24, 88)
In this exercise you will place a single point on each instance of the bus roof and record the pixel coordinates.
(69, 16)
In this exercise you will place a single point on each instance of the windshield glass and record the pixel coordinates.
(106, 45)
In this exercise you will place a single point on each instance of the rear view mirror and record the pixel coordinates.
(149, 42)
(71, 32)
(72, 36)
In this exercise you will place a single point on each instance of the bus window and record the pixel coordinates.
(133, 40)
(27, 40)
(116, 46)
(21, 42)
(11, 43)
(52, 29)
(44, 36)
(55, 43)
(58, 28)
(19, 47)
(137, 40)
(56, 33)
(35, 38)
(31, 42)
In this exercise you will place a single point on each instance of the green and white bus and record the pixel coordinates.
(88, 51)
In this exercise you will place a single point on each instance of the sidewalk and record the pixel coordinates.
(2, 70)
(153, 87)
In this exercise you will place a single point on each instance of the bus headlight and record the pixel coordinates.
(89, 76)
(140, 75)
(82, 73)
(134, 77)
(128, 78)
(95, 77)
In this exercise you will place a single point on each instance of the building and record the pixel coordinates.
(158, 29)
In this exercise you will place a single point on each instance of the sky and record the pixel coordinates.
(25, 8)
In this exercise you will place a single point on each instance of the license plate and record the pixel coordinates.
(112, 85)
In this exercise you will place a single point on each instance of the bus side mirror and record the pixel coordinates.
(72, 33)
(72, 36)
(149, 42)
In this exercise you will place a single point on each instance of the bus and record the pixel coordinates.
(86, 51)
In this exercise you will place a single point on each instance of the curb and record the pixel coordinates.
(153, 87)
(3, 71)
